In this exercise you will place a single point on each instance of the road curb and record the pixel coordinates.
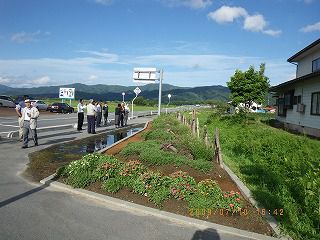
(106, 200)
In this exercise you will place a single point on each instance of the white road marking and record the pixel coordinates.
(8, 125)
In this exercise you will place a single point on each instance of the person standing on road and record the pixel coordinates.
(29, 115)
(91, 112)
(80, 110)
(117, 114)
(19, 108)
(121, 114)
(105, 110)
(99, 113)
(126, 114)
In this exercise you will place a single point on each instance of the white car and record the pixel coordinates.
(41, 105)
(6, 101)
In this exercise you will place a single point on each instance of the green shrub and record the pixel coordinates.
(113, 185)
(159, 135)
(81, 173)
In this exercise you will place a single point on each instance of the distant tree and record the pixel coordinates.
(140, 101)
(249, 86)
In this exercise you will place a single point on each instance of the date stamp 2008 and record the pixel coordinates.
(207, 212)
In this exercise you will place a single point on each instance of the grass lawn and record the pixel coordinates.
(281, 169)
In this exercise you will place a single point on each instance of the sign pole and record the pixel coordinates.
(160, 89)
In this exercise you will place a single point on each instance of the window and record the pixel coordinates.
(316, 65)
(315, 103)
(296, 100)
(281, 109)
(288, 99)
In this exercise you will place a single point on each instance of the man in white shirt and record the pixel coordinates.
(99, 114)
(19, 107)
(80, 110)
(91, 113)
(29, 116)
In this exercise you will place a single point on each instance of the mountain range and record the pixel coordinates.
(114, 92)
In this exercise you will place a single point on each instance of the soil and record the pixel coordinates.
(249, 220)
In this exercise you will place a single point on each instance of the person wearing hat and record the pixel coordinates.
(91, 113)
(29, 116)
(19, 107)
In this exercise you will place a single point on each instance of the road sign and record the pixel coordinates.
(145, 75)
(67, 93)
(137, 91)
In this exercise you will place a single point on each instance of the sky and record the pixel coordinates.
(195, 42)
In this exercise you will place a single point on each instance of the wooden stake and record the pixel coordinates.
(197, 128)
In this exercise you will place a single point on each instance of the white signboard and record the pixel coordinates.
(67, 93)
(145, 75)
(137, 91)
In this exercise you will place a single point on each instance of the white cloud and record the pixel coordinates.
(179, 69)
(104, 2)
(92, 77)
(41, 81)
(311, 28)
(195, 4)
(273, 33)
(227, 14)
(4, 80)
(24, 37)
(108, 57)
(254, 23)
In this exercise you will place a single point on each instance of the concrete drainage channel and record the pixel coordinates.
(107, 201)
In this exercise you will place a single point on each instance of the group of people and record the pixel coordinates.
(27, 117)
(95, 111)
(121, 115)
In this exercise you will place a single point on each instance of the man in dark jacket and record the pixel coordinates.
(105, 110)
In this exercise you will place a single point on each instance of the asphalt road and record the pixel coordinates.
(31, 211)
(9, 122)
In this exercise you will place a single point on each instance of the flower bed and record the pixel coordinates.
(182, 179)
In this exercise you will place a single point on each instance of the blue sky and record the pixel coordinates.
(196, 42)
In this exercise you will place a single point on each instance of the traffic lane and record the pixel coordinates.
(8, 124)
(11, 124)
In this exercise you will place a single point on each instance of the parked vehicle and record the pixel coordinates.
(6, 101)
(41, 105)
(61, 108)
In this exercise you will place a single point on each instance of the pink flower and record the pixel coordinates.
(238, 193)
(238, 199)
(225, 195)
(231, 205)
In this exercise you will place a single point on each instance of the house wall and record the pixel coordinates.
(305, 64)
(303, 120)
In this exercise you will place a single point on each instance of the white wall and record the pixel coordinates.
(305, 64)
(305, 89)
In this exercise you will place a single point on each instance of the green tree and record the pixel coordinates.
(249, 86)
(140, 101)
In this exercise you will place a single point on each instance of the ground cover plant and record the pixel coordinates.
(281, 169)
(170, 142)
(115, 175)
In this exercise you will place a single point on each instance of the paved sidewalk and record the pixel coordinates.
(33, 211)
